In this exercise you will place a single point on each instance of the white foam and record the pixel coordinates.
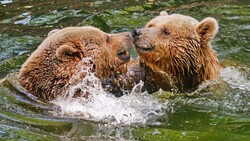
(236, 78)
(101, 106)
(135, 107)
(231, 101)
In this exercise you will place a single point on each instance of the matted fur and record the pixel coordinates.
(176, 50)
(49, 70)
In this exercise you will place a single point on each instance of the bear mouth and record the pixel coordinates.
(144, 49)
(123, 55)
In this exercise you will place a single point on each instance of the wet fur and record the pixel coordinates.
(181, 56)
(51, 68)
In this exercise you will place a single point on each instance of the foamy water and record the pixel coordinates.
(237, 78)
(136, 107)
(230, 99)
(101, 106)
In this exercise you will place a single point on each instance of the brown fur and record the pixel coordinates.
(175, 50)
(53, 66)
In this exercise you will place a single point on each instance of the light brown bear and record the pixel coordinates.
(51, 68)
(175, 52)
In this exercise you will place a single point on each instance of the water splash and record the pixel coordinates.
(132, 108)
(236, 77)
(229, 95)
(136, 107)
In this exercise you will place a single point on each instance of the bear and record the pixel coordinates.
(57, 62)
(175, 52)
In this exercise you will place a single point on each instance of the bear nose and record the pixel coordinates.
(136, 33)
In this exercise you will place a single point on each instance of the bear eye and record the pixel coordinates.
(165, 31)
(151, 25)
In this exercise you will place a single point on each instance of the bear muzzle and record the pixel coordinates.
(141, 41)
(124, 55)
(135, 33)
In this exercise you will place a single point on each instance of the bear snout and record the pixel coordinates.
(124, 55)
(142, 39)
(136, 33)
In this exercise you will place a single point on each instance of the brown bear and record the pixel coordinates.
(175, 52)
(52, 67)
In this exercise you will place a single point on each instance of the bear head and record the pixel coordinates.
(178, 46)
(53, 66)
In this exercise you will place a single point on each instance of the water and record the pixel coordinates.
(136, 107)
(217, 110)
(100, 106)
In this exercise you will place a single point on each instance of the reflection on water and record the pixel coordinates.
(217, 110)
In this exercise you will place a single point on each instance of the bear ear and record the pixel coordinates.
(163, 13)
(207, 29)
(67, 53)
(52, 32)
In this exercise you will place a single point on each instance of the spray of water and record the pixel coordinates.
(136, 107)
(236, 78)
(228, 95)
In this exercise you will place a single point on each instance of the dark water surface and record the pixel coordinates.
(218, 110)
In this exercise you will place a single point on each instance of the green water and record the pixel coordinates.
(219, 111)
